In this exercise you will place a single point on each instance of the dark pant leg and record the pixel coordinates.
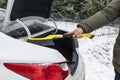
(117, 75)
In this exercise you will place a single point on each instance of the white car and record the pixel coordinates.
(24, 59)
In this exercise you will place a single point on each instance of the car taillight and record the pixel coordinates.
(35, 71)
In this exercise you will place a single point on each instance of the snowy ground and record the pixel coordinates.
(96, 52)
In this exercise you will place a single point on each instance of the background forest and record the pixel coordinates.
(72, 10)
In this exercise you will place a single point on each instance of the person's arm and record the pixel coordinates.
(105, 16)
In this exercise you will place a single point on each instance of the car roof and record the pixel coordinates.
(23, 8)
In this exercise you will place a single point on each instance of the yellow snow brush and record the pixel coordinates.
(55, 36)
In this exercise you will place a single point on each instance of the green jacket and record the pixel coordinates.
(105, 16)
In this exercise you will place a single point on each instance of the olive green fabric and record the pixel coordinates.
(105, 16)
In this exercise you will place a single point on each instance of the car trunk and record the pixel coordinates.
(40, 8)
(66, 46)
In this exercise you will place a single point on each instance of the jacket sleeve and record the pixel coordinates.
(105, 16)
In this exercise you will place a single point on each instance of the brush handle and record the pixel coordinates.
(86, 35)
(53, 36)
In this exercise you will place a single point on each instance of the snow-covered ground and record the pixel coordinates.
(97, 52)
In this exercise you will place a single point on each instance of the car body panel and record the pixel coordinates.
(16, 50)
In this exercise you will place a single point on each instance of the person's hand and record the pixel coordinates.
(76, 32)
